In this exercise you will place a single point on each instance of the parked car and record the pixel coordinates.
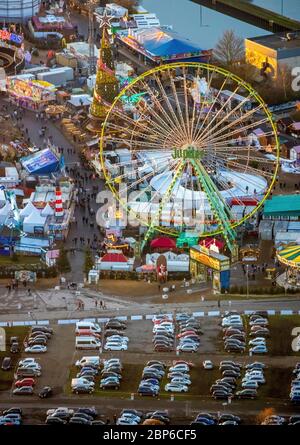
(45, 392)
(36, 349)
(23, 390)
(25, 382)
(6, 364)
(176, 387)
(246, 394)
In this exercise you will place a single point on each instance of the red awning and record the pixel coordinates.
(244, 201)
(114, 258)
(163, 243)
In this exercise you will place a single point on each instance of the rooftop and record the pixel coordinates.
(282, 205)
(278, 41)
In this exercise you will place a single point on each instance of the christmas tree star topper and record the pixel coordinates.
(105, 20)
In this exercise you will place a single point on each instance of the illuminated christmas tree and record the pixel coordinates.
(106, 86)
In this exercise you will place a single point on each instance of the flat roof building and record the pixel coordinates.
(271, 52)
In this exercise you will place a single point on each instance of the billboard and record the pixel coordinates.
(43, 161)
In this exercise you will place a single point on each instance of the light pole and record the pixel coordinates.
(281, 7)
(247, 280)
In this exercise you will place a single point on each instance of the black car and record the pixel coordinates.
(82, 390)
(54, 420)
(115, 325)
(231, 374)
(221, 394)
(6, 364)
(80, 421)
(294, 419)
(12, 411)
(13, 340)
(154, 362)
(110, 385)
(110, 332)
(91, 411)
(106, 374)
(42, 329)
(225, 417)
(83, 416)
(45, 392)
(15, 348)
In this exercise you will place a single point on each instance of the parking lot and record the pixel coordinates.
(58, 363)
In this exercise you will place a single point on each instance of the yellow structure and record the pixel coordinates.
(272, 52)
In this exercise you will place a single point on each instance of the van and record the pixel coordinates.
(91, 359)
(88, 332)
(87, 343)
(95, 327)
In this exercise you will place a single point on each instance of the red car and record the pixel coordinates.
(25, 382)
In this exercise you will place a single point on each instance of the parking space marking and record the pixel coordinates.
(198, 314)
(248, 312)
(43, 322)
(89, 320)
(122, 318)
(286, 312)
(213, 313)
(271, 312)
(136, 317)
(102, 320)
(67, 321)
(149, 317)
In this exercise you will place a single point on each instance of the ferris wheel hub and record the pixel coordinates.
(187, 152)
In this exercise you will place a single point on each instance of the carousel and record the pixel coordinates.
(289, 256)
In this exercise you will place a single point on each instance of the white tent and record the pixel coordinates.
(4, 212)
(34, 221)
(47, 211)
(2, 198)
(27, 210)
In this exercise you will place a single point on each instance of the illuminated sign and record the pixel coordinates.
(209, 260)
(11, 37)
(187, 153)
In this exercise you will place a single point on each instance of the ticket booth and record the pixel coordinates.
(207, 265)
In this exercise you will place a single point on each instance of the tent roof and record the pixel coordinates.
(282, 205)
(47, 210)
(160, 43)
(290, 254)
(114, 258)
(35, 218)
(163, 242)
(5, 209)
(28, 209)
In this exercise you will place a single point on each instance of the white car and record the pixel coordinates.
(254, 378)
(62, 409)
(175, 387)
(163, 329)
(257, 341)
(187, 347)
(180, 368)
(36, 349)
(112, 361)
(208, 364)
(32, 366)
(181, 381)
(116, 347)
(118, 338)
(123, 421)
(130, 416)
(26, 361)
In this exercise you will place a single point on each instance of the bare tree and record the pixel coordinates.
(229, 49)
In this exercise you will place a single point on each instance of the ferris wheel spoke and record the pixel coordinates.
(241, 139)
(208, 114)
(227, 115)
(200, 130)
(164, 199)
(229, 135)
(200, 113)
(133, 132)
(171, 124)
(178, 125)
(147, 145)
(145, 177)
(231, 124)
(224, 154)
(186, 100)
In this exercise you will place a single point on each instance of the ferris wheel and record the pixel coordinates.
(189, 146)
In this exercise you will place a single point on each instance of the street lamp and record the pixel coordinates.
(247, 280)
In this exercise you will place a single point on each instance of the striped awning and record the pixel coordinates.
(290, 255)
